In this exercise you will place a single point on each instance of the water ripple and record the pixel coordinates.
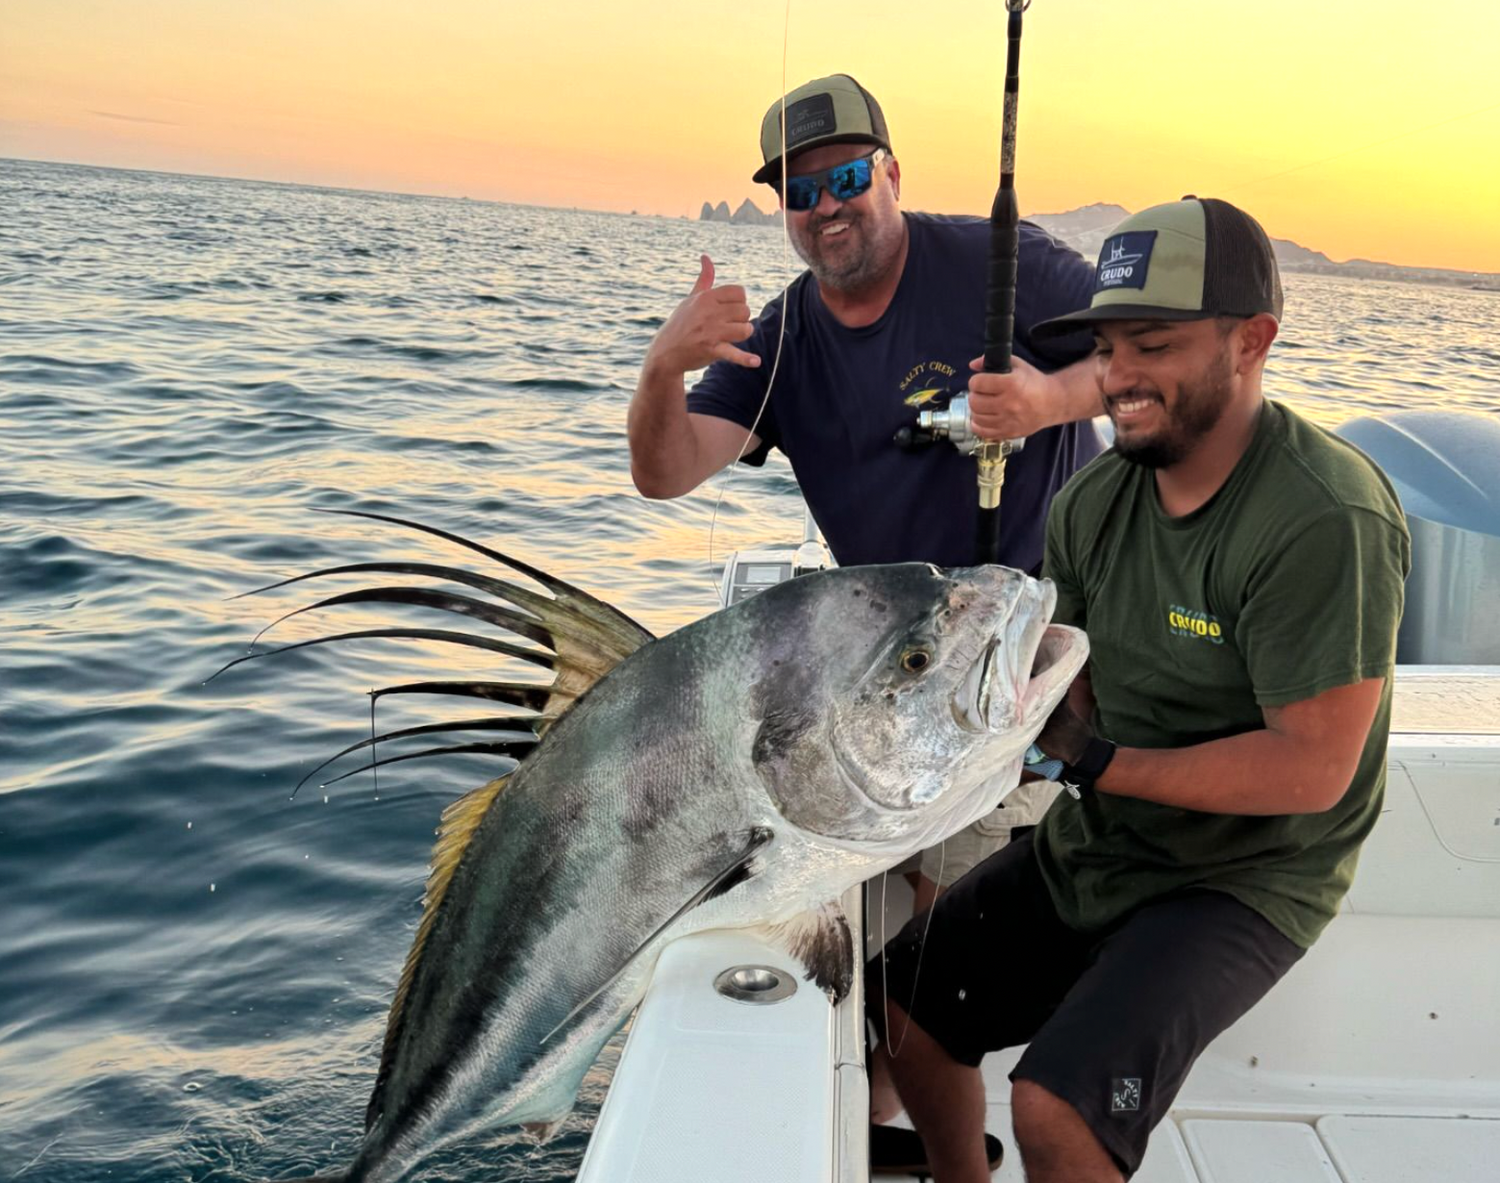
(195, 968)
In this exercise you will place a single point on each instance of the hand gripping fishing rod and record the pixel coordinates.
(999, 320)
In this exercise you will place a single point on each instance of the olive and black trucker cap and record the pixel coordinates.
(832, 110)
(1189, 260)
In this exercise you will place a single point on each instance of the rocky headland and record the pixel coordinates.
(748, 214)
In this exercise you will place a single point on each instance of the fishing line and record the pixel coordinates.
(895, 1049)
(374, 756)
(884, 986)
(729, 472)
(38, 1157)
(786, 239)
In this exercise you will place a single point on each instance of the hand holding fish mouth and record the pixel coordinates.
(703, 328)
(1066, 736)
(1013, 405)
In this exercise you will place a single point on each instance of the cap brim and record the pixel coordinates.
(1085, 318)
(770, 172)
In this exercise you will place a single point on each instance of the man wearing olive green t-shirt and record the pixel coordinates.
(1239, 572)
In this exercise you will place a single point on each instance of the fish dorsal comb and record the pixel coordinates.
(580, 638)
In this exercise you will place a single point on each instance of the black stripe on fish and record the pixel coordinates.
(735, 873)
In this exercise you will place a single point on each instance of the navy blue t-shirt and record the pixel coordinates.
(842, 393)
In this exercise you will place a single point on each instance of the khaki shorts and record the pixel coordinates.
(1024, 805)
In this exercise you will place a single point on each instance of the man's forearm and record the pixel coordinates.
(1078, 391)
(1258, 773)
(663, 447)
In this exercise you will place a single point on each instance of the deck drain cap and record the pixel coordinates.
(756, 984)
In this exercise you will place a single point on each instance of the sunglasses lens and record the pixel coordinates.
(849, 180)
(801, 193)
(844, 181)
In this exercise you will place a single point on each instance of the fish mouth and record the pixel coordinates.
(1060, 654)
(1026, 664)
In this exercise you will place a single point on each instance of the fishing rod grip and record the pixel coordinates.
(1000, 289)
(987, 533)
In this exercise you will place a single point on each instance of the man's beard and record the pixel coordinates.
(855, 270)
(1200, 405)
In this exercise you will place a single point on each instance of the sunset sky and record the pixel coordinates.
(1362, 130)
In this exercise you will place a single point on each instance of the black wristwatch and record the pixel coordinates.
(1090, 766)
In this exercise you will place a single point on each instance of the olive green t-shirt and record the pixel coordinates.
(1287, 583)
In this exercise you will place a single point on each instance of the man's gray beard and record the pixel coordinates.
(1199, 408)
(861, 271)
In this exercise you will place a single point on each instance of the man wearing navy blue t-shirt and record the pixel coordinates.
(886, 321)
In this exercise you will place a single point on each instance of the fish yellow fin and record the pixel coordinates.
(459, 822)
(589, 641)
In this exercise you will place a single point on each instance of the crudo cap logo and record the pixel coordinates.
(1124, 260)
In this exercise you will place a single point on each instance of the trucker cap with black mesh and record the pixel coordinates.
(832, 110)
(1188, 260)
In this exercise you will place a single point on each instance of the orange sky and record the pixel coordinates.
(655, 106)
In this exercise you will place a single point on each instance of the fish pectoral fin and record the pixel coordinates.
(734, 873)
(823, 942)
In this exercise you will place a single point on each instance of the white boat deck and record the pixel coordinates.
(1377, 1060)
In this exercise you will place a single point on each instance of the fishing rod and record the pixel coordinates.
(1000, 301)
(953, 423)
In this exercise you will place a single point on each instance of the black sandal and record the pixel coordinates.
(895, 1151)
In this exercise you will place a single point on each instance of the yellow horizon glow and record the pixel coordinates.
(1363, 131)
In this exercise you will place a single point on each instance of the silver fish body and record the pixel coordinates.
(743, 771)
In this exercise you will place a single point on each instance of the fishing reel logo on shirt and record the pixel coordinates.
(928, 385)
(1194, 622)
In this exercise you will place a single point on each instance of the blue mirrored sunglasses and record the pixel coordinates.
(845, 182)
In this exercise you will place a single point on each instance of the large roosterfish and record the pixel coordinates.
(742, 772)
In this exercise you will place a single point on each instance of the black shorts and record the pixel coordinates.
(1114, 1020)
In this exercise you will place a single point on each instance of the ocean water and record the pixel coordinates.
(194, 967)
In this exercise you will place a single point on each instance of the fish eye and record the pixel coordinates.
(914, 661)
